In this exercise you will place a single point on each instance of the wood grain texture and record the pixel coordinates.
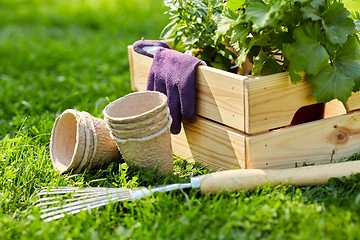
(213, 145)
(353, 102)
(219, 94)
(255, 105)
(139, 69)
(271, 101)
(314, 142)
(334, 108)
(249, 179)
(249, 104)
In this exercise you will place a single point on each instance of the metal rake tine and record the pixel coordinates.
(73, 204)
(60, 215)
(78, 208)
(80, 192)
(44, 201)
(87, 201)
(76, 193)
(57, 196)
(49, 189)
(59, 191)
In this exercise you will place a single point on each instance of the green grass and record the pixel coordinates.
(56, 55)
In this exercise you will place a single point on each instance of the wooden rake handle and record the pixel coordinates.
(251, 178)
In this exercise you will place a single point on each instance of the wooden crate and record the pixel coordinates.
(237, 115)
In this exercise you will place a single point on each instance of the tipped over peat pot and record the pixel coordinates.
(80, 141)
(140, 125)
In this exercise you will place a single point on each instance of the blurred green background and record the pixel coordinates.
(56, 55)
(352, 4)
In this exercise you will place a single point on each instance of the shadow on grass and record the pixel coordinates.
(120, 174)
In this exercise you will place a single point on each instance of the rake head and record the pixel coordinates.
(55, 203)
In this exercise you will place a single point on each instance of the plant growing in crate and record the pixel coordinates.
(318, 37)
(194, 24)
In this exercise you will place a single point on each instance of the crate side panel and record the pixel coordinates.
(314, 142)
(139, 69)
(131, 66)
(211, 144)
(219, 94)
(273, 100)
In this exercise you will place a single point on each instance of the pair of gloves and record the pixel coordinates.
(173, 74)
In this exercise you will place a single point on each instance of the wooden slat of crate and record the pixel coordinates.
(334, 108)
(220, 94)
(249, 104)
(216, 146)
(139, 70)
(272, 101)
(353, 102)
(220, 147)
(244, 103)
(318, 141)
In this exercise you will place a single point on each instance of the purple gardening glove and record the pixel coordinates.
(173, 73)
(148, 47)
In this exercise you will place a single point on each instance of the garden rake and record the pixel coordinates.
(54, 206)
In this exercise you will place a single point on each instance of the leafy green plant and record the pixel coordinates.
(194, 24)
(318, 37)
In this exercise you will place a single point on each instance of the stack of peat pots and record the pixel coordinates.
(140, 125)
(80, 141)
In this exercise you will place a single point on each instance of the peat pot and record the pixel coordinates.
(80, 141)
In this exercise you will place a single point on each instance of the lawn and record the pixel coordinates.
(56, 55)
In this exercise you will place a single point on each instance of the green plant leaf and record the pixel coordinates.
(221, 62)
(347, 60)
(307, 42)
(226, 21)
(258, 12)
(310, 12)
(355, 15)
(292, 17)
(226, 52)
(357, 24)
(317, 3)
(239, 32)
(337, 23)
(297, 62)
(271, 66)
(244, 47)
(329, 84)
(331, 49)
(235, 4)
(262, 15)
(282, 38)
(300, 1)
(337, 32)
(168, 31)
(259, 62)
(336, 12)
